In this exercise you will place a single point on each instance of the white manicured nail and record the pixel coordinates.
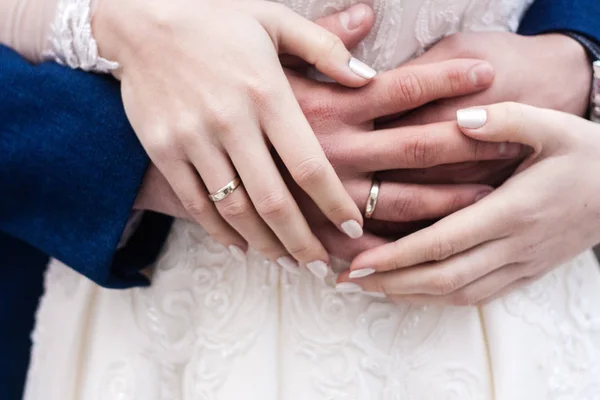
(237, 253)
(353, 229)
(361, 69)
(377, 295)
(347, 287)
(471, 118)
(361, 273)
(288, 263)
(318, 269)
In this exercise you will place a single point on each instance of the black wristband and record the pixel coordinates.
(591, 46)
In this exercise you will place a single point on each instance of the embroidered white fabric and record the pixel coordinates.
(71, 41)
(215, 328)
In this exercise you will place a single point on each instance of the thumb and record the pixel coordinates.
(295, 35)
(351, 26)
(513, 122)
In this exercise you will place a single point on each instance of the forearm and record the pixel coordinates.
(59, 191)
(25, 26)
(578, 16)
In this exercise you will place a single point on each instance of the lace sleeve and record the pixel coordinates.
(57, 30)
(71, 41)
(24, 26)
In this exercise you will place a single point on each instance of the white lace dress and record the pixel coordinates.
(214, 328)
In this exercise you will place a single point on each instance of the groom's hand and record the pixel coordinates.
(549, 71)
(343, 119)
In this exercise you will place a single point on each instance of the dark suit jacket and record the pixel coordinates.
(70, 169)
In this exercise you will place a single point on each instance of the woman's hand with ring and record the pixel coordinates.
(545, 214)
(204, 89)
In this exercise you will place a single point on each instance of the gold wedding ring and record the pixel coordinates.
(225, 190)
(372, 199)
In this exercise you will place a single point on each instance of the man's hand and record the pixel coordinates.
(549, 71)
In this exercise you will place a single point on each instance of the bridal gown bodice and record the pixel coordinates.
(214, 328)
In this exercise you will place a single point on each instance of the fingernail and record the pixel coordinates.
(481, 74)
(361, 69)
(482, 195)
(352, 229)
(318, 269)
(288, 263)
(509, 150)
(471, 118)
(354, 17)
(347, 287)
(361, 273)
(377, 295)
(237, 252)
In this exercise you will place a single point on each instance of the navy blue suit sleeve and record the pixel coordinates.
(70, 170)
(580, 16)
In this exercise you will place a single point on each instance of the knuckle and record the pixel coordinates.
(479, 149)
(309, 172)
(382, 286)
(222, 118)
(259, 89)
(463, 298)
(409, 87)
(406, 204)
(197, 209)
(455, 79)
(268, 249)
(457, 201)
(234, 209)
(160, 146)
(329, 45)
(318, 109)
(187, 127)
(442, 249)
(273, 207)
(422, 152)
(303, 251)
(445, 283)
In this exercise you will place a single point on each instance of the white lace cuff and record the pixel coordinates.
(71, 41)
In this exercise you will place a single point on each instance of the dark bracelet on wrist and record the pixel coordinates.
(591, 46)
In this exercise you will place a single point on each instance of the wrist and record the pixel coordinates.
(573, 70)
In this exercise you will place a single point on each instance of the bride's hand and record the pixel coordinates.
(547, 213)
(206, 94)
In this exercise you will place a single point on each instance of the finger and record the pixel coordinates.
(314, 44)
(514, 122)
(216, 171)
(303, 156)
(518, 284)
(273, 201)
(484, 221)
(418, 147)
(491, 286)
(193, 195)
(491, 173)
(428, 114)
(351, 26)
(341, 246)
(401, 202)
(435, 278)
(406, 88)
